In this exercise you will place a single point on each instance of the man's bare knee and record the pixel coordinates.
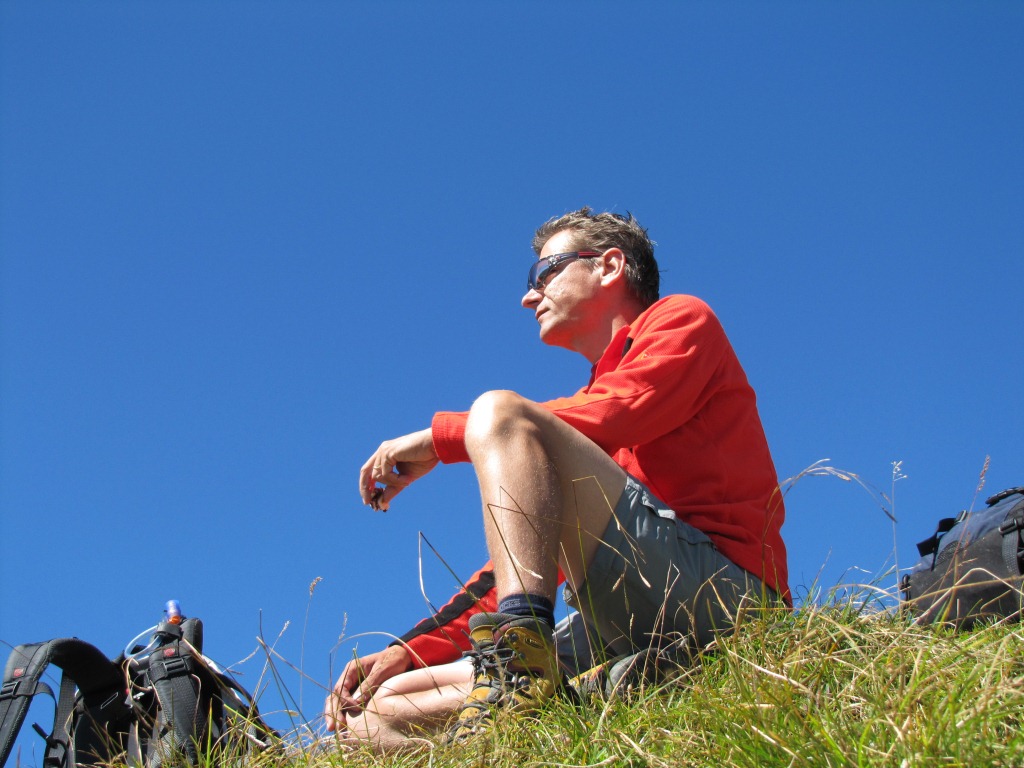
(497, 416)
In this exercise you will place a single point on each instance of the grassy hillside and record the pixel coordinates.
(824, 686)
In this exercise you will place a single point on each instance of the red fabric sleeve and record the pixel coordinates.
(445, 635)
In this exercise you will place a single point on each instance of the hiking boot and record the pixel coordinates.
(515, 668)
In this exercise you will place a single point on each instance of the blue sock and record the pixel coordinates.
(535, 606)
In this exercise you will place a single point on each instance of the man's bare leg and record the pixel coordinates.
(409, 707)
(548, 493)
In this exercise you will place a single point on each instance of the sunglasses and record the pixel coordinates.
(542, 268)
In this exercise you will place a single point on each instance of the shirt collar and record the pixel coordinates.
(612, 354)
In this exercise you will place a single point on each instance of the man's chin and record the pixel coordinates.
(552, 339)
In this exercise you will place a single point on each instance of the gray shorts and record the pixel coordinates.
(654, 580)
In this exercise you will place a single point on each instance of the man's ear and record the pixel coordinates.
(613, 266)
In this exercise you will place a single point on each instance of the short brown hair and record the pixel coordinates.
(601, 231)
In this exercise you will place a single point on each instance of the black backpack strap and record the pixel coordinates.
(1012, 543)
(58, 741)
(21, 682)
(101, 688)
(931, 545)
(184, 698)
(993, 500)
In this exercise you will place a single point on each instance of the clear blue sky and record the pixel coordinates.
(243, 243)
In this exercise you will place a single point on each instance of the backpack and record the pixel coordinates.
(150, 706)
(970, 568)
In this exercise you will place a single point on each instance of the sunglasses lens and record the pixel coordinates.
(538, 272)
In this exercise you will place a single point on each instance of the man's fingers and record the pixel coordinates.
(394, 484)
(367, 688)
(343, 698)
(366, 483)
(379, 469)
(382, 469)
(394, 465)
(334, 711)
(360, 681)
(329, 715)
(351, 676)
(384, 474)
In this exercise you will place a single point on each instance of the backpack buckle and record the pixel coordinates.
(1011, 524)
(9, 689)
(175, 665)
(169, 666)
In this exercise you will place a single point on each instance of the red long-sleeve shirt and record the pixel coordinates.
(670, 403)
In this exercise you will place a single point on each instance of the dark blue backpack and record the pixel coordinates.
(970, 569)
(155, 706)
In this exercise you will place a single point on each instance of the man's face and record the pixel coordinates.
(561, 304)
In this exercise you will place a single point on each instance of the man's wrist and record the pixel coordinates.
(409, 664)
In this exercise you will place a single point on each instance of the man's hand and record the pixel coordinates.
(394, 465)
(360, 680)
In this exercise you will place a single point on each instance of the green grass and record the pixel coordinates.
(842, 681)
(823, 686)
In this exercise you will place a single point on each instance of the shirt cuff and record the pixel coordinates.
(448, 431)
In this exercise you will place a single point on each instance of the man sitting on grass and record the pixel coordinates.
(651, 492)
